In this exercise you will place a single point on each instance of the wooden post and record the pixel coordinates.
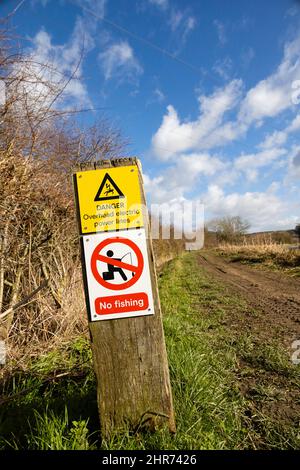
(129, 354)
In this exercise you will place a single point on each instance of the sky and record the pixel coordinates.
(206, 91)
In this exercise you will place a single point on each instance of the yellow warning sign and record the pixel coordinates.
(108, 199)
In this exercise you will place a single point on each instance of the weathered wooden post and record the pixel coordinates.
(128, 345)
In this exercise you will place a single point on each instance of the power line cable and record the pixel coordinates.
(149, 44)
(145, 41)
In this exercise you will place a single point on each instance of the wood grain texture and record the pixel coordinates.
(130, 358)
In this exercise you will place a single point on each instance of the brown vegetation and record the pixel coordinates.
(272, 254)
(41, 293)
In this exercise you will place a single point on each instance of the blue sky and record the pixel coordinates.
(207, 91)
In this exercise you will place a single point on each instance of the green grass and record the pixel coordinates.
(227, 388)
(53, 403)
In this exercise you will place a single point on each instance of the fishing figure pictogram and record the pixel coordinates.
(112, 269)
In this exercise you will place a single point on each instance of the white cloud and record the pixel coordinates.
(181, 24)
(42, 2)
(295, 125)
(118, 60)
(210, 129)
(274, 94)
(193, 166)
(157, 189)
(175, 19)
(278, 138)
(160, 97)
(205, 132)
(190, 23)
(247, 56)
(292, 11)
(95, 6)
(184, 143)
(263, 100)
(160, 3)
(223, 67)
(293, 173)
(203, 163)
(53, 73)
(264, 210)
(296, 160)
(249, 163)
(221, 31)
(171, 185)
(227, 177)
(65, 61)
(156, 97)
(275, 139)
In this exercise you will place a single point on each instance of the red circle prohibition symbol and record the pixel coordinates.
(137, 270)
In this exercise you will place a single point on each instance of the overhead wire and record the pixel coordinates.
(149, 44)
(141, 39)
(138, 38)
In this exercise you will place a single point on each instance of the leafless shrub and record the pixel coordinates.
(229, 229)
(38, 236)
(41, 292)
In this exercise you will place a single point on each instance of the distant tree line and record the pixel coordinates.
(229, 229)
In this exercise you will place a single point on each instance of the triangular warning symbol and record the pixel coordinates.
(108, 190)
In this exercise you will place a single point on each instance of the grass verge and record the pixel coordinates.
(230, 391)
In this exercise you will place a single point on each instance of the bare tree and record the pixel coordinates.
(229, 229)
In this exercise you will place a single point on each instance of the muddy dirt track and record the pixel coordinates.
(274, 296)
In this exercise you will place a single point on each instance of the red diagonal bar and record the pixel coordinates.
(115, 262)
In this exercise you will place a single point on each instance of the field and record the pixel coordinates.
(272, 255)
(234, 384)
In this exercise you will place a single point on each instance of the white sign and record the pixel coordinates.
(117, 272)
